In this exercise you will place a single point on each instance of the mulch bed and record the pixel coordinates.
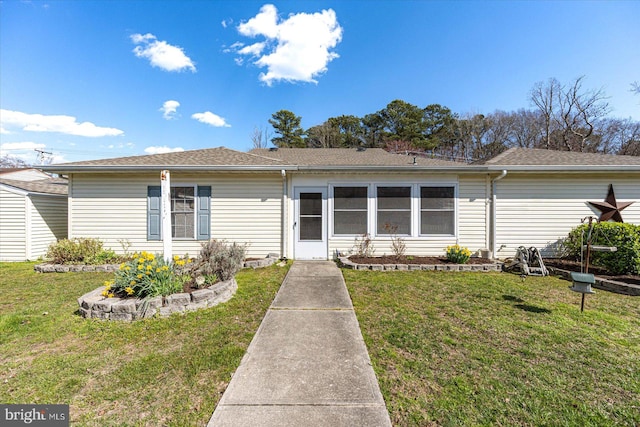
(575, 266)
(562, 263)
(407, 259)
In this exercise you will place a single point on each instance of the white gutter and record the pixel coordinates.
(492, 237)
(283, 214)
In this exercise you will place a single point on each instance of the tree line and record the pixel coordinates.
(565, 117)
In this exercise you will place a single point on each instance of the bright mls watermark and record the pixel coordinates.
(35, 415)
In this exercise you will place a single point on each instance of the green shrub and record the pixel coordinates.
(74, 251)
(625, 237)
(217, 260)
(458, 254)
(81, 250)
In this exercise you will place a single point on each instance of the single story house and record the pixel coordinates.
(314, 203)
(33, 213)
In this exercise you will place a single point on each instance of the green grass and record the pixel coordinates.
(162, 371)
(459, 349)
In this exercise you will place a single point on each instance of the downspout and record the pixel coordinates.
(493, 211)
(283, 216)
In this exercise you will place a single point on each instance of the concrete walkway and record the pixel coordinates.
(307, 365)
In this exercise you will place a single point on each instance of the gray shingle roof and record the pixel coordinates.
(44, 186)
(219, 156)
(347, 157)
(539, 157)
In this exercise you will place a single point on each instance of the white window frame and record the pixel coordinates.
(195, 211)
(455, 208)
(372, 208)
(412, 220)
(332, 207)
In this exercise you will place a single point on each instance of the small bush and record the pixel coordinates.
(78, 251)
(458, 254)
(398, 245)
(363, 245)
(217, 260)
(625, 237)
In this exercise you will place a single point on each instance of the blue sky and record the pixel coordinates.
(93, 79)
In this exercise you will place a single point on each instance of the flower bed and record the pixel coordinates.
(95, 305)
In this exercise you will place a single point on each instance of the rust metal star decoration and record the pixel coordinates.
(610, 208)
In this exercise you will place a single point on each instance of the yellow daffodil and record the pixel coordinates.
(105, 293)
(129, 290)
(111, 295)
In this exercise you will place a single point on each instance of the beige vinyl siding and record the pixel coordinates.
(472, 212)
(534, 210)
(12, 226)
(113, 207)
(48, 216)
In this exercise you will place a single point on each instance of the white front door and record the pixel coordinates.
(310, 205)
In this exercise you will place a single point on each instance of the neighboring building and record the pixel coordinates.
(312, 203)
(33, 213)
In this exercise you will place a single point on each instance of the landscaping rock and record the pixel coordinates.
(94, 305)
(178, 300)
(124, 306)
(121, 316)
(201, 295)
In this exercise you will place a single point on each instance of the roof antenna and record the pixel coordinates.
(41, 156)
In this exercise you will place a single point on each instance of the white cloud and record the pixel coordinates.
(162, 149)
(169, 109)
(211, 119)
(253, 49)
(297, 48)
(21, 146)
(161, 54)
(58, 123)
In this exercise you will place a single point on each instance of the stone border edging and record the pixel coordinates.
(75, 268)
(345, 262)
(94, 305)
(112, 268)
(604, 284)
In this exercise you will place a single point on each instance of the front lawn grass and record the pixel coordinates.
(490, 349)
(161, 371)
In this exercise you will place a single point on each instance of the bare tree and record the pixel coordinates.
(8, 161)
(635, 88)
(580, 110)
(260, 137)
(323, 136)
(545, 97)
(569, 114)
